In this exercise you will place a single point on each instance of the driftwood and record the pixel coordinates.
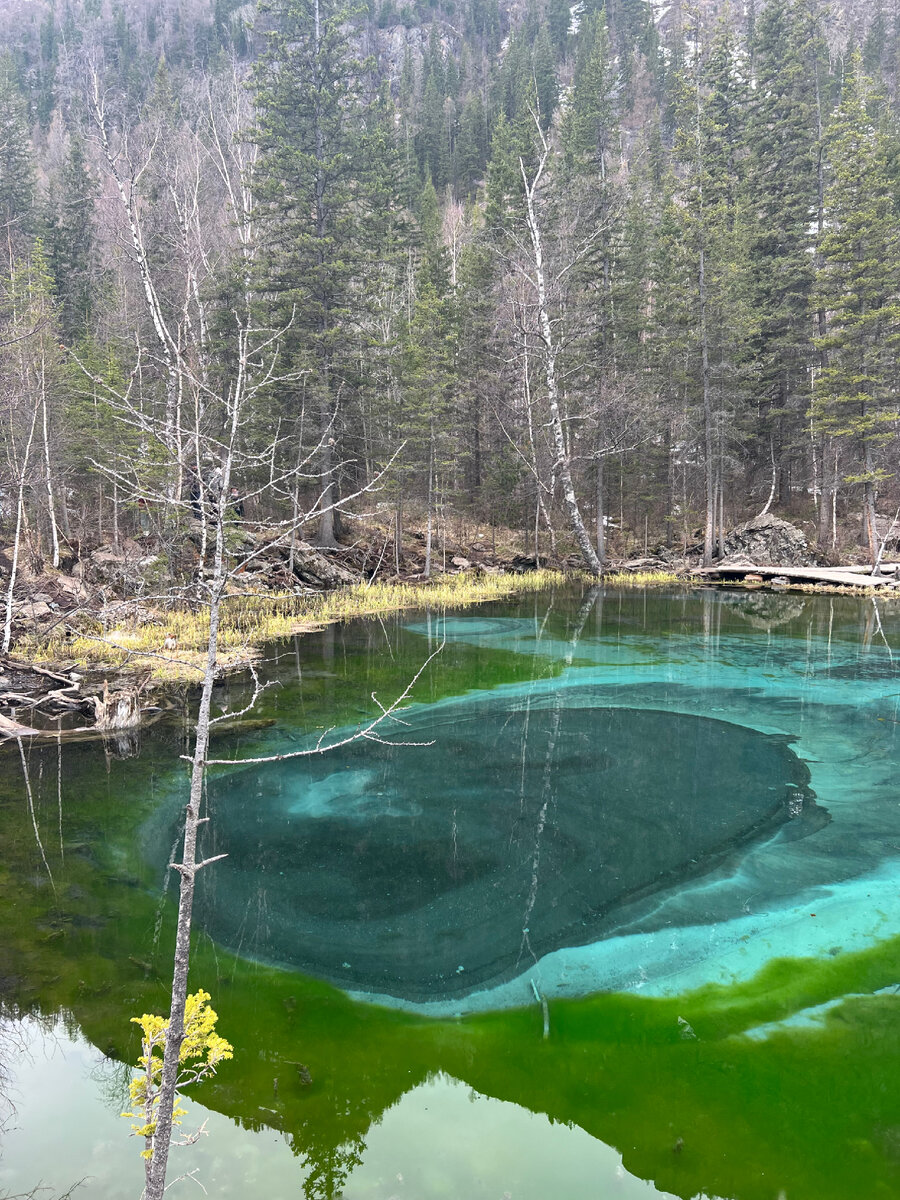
(14, 729)
(111, 710)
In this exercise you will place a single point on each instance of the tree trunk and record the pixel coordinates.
(709, 525)
(869, 523)
(551, 351)
(601, 515)
(17, 539)
(430, 508)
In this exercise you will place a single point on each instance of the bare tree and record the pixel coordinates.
(199, 430)
(540, 280)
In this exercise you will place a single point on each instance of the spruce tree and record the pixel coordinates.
(16, 170)
(858, 286)
(781, 195)
(313, 189)
(70, 241)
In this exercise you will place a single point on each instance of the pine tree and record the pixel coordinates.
(858, 286)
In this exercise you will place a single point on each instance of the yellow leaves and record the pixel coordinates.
(202, 1049)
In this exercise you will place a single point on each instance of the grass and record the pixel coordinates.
(248, 621)
(642, 579)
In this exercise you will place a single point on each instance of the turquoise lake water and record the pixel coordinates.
(668, 820)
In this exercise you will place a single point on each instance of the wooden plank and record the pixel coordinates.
(842, 576)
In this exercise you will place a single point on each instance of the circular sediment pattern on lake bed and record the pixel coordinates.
(425, 872)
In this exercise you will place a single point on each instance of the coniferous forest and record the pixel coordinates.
(623, 274)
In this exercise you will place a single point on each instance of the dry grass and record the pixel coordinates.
(643, 579)
(248, 621)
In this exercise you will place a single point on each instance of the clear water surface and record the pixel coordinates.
(614, 915)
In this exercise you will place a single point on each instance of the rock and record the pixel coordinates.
(463, 563)
(522, 563)
(315, 568)
(768, 541)
(124, 569)
(36, 610)
(737, 560)
(650, 562)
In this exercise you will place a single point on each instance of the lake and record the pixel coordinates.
(611, 909)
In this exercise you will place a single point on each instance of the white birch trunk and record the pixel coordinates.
(551, 352)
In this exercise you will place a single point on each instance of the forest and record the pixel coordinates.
(620, 275)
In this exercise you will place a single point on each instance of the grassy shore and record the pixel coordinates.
(248, 621)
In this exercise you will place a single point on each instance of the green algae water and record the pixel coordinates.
(614, 914)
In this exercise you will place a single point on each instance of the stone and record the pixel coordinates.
(768, 541)
(522, 563)
(316, 568)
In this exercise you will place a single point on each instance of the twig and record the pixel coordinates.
(322, 748)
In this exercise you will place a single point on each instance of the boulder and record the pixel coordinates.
(521, 564)
(124, 568)
(767, 541)
(313, 567)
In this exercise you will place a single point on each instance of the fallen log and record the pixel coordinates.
(14, 729)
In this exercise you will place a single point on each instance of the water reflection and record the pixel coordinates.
(440, 1139)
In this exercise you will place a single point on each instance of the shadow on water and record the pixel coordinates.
(580, 718)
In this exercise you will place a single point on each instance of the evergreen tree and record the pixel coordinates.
(591, 139)
(471, 155)
(313, 189)
(782, 198)
(858, 286)
(428, 365)
(546, 89)
(16, 170)
(477, 380)
(70, 241)
(559, 20)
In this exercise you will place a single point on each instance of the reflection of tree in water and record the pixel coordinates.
(547, 781)
(329, 1167)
